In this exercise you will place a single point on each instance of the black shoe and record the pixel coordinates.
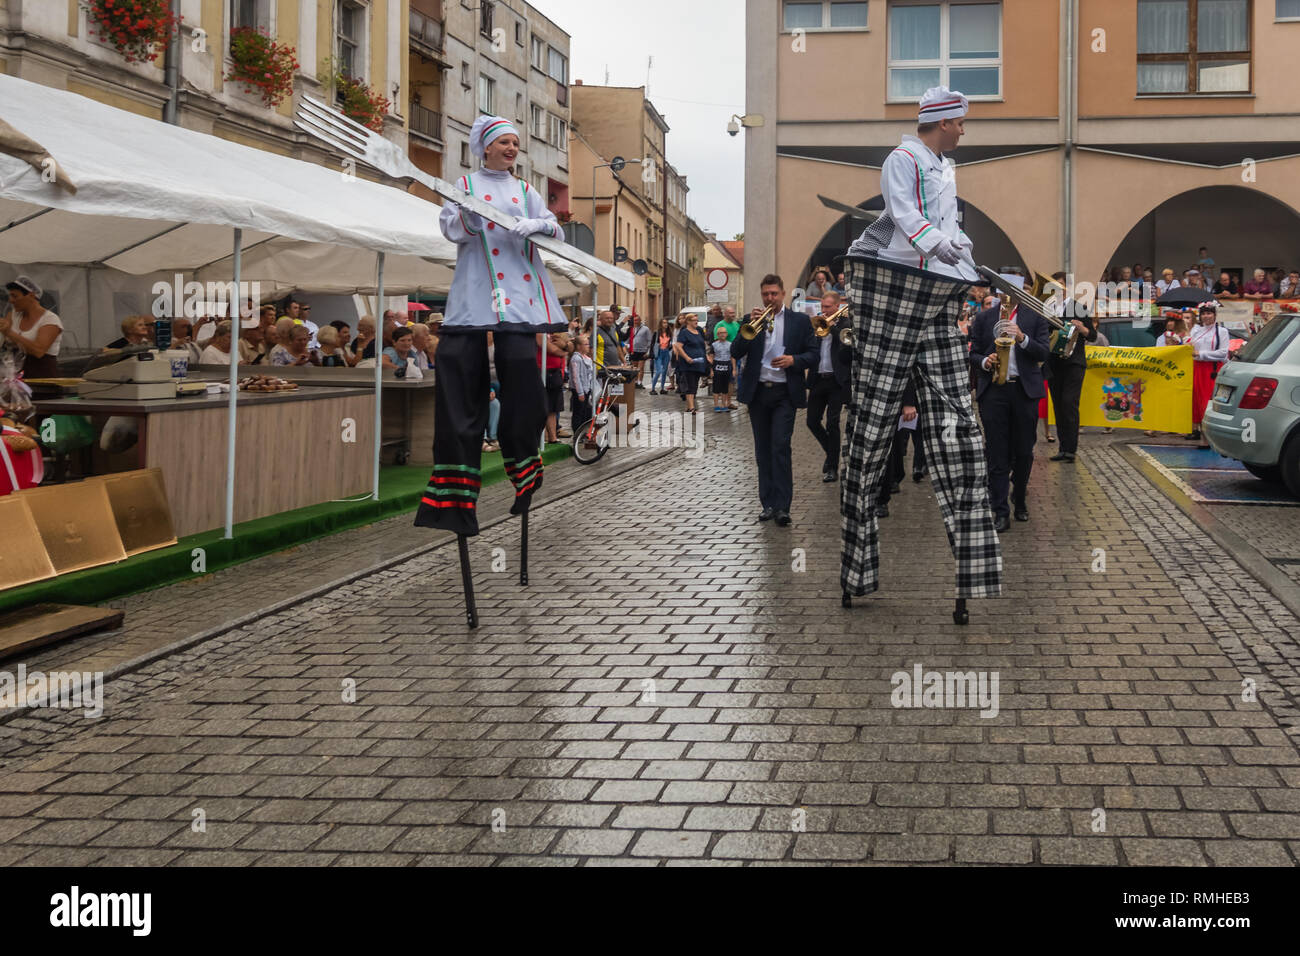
(918, 475)
(783, 518)
(894, 489)
(882, 511)
(1066, 456)
(1001, 523)
(767, 514)
(829, 476)
(1022, 513)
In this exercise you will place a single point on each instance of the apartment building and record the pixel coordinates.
(1100, 131)
(500, 57)
(53, 42)
(676, 255)
(623, 219)
(620, 121)
(696, 239)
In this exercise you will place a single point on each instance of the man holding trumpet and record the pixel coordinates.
(781, 349)
(1008, 400)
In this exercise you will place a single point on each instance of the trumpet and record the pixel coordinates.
(822, 323)
(750, 328)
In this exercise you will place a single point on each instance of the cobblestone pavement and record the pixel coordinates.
(162, 618)
(705, 699)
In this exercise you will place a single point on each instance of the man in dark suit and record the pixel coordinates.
(1067, 377)
(828, 389)
(772, 385)
(1009, 412)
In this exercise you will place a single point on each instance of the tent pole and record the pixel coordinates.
(379, 367)
(235, 331)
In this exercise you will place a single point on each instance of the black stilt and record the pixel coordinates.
(846, 600)
(960, 615)
(523, 548)
(471, 610)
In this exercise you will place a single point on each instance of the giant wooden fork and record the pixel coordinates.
(355, 140)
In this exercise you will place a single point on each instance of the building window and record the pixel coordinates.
(825, 16)
(464, 155)
(1193, 46)
(519, 107)
(252, 14)
(349, 40)
(1287, 10)
(537, 122)
(485, 18)
(537, 53)
(519, 32)
(464, 76)
(558, 133)
(557, 66)
(486, 91)
(953, 44)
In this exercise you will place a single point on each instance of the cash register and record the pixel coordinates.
(133, 374)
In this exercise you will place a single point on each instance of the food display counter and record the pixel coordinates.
(407, 410)
(293, 448)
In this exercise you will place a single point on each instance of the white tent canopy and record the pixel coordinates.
(304, 226)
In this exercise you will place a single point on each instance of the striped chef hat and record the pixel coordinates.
(941, 103)
(485, 130)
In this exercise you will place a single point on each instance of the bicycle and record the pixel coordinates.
(591, 441)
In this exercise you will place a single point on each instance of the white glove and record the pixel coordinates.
(963, 242)
(946, 251)
(527, 227)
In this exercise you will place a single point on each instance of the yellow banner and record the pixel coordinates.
(1147, 388)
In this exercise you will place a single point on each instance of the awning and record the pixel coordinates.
(151, 197)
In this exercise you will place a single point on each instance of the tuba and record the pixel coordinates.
(763, 323)
(822, 323)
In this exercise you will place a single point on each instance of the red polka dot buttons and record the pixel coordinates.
(488, 198)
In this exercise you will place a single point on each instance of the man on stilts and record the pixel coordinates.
(906, 278)
(500, 288)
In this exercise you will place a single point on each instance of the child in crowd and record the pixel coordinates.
(723, 367)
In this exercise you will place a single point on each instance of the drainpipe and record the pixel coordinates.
(172, 69)
(1071, 107)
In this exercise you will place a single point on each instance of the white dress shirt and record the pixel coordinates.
(774, 347)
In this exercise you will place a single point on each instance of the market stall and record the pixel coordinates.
(139, 197)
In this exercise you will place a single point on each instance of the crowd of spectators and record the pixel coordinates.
(284, 335)
(1231, 284)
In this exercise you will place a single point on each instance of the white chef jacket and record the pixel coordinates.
(500, 281)
(920, 192)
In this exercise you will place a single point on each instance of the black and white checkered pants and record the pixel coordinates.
(905, 323)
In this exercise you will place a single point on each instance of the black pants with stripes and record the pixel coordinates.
(461, 387)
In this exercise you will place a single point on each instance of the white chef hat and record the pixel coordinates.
(941, 103)
(485, 130)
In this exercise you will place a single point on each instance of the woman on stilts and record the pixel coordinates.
(500, 287)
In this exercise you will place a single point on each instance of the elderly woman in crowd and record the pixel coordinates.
(330, 353)
(218, 348)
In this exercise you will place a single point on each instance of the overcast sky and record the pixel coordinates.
(697, 82)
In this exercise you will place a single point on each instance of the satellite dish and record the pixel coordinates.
(578, 235)
(617, 164)
(640, 267)
(620, 253)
